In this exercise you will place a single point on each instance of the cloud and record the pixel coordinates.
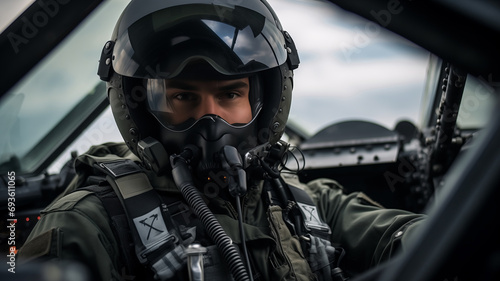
(328, 76)
(343, 54)
(350, 68)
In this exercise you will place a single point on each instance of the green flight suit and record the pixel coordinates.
(77, 227)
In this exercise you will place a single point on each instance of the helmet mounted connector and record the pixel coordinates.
(153, 155)
(105, 69)
(293, 56)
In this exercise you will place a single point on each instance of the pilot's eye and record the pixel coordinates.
(185, 96)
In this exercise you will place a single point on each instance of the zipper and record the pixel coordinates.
(230, 208)
(276, 233)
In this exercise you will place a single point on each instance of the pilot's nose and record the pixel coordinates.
(209, 105)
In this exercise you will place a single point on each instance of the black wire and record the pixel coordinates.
(285, 158)
(268, 169)
(242, 235)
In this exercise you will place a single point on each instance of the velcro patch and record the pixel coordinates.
(151, 226)
(39, 247)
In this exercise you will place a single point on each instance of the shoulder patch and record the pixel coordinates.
(67, 202)
(44, 244)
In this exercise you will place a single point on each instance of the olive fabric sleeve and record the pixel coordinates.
(368, 233)
(75, 228)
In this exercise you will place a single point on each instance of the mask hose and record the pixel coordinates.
(183, 179)
(233, 165)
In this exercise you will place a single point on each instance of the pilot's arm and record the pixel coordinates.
(75, 228)
(369, 233)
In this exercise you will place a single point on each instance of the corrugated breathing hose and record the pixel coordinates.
(183, 179)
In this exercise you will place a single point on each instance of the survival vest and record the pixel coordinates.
(149, 235)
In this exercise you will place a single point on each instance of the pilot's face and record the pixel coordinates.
(228, 99)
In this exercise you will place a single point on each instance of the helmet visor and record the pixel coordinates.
(234, 41)
(179, 103)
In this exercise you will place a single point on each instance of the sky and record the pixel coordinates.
(351, 68)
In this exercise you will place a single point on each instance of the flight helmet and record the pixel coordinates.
(155, 40)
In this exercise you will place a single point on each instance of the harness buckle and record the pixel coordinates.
(194, 254)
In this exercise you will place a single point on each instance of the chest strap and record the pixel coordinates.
(157, 243)
(313, 223)
(302, 218)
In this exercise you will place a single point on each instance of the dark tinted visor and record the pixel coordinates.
(233, 41)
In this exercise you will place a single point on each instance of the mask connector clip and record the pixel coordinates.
(233, 165)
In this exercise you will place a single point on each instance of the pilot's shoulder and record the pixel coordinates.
(78, 219)
(315, 186)
(86, 201)
(69, 201)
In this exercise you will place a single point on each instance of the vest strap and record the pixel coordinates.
(323, 258)
(313, 223)
(157, 243)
